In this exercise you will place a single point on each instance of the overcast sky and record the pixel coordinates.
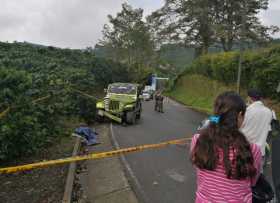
(75, 23)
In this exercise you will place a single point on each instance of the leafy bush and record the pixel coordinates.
(26, 127)
(260, 69)
(29, 72)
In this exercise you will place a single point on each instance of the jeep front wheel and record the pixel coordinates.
(131, 117)
(98, 117)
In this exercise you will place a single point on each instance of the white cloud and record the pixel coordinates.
(63, 23)
(272, 15)
(75, 23)
(148, 5)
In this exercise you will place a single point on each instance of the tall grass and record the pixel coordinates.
(199, 92)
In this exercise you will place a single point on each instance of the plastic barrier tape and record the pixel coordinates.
(2, 114)
(83, 93)
(100, 155)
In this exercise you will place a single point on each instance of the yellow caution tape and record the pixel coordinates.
(83, 93)
(101, 155)
(41, 99)
(2, 114)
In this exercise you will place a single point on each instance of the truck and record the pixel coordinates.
(122, 103)
(159, 83)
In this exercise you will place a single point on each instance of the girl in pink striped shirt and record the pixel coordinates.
(227, 165)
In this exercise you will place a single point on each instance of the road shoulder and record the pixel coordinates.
(103, 180)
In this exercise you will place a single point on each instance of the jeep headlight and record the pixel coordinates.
(100, 105)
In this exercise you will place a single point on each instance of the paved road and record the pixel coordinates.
(164, 175)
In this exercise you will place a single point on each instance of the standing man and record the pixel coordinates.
(256, 124)
(156, 101)
(160, 102)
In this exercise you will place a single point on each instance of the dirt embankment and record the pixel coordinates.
(39, 185)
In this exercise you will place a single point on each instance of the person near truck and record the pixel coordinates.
(159, 102)
(257, 121)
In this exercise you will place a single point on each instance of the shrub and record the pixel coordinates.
(30, 72)
(260, 68)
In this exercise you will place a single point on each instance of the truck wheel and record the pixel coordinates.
(131, 117)
(99, 119)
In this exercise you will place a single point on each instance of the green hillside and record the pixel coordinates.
(212, 74)
(42, 87)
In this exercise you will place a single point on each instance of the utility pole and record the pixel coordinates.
(240, 67)
(241, 47)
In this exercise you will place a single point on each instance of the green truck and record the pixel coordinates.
(122, 103)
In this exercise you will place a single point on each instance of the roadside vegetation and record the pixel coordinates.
(212, 74)
(197, 91)
(46, 91)
(42, 87)
(260, 69)
(215, 30)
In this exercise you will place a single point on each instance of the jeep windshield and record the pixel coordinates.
(122, 89)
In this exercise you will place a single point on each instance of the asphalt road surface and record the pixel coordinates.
(162, 175)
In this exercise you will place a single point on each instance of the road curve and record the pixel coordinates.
(164, 175)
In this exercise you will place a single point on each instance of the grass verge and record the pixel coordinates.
(199, 92)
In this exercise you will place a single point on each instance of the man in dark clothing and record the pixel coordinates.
(159, 102)
(276, 165)
(156, 101)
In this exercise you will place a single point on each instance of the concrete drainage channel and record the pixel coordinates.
(98, 181)
(67, 197)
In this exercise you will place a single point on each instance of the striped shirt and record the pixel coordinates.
(215, 187)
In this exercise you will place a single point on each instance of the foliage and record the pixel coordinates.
(261, 69)
(175, 55)
(205, 23)
(187, 22)
(28, 125)
(190, 90)
(43, 86)
(127, 38)
(238, 20)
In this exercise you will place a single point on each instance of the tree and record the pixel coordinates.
(204, 23)
(236, 21)
(127, 37)
(187, 22)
